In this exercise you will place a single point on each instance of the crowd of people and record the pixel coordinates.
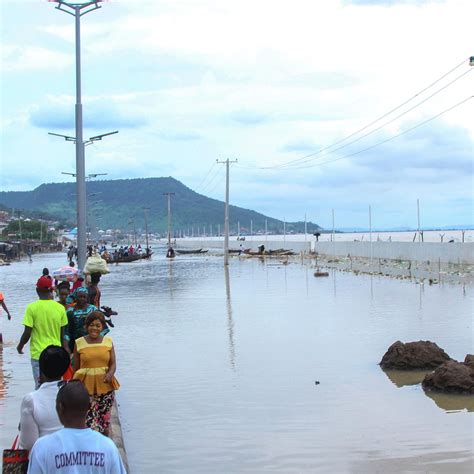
(65, 421)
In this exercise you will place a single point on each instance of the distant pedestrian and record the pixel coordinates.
(46, 274)
(38, 416)
(4, 306)
(63, 292)
(75, 448)
(45, 321)
(78, 283)
(94, 291)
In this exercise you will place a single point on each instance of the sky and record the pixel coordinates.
(291, 90)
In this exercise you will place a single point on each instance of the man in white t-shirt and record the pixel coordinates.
(75, 449)
(38, 408)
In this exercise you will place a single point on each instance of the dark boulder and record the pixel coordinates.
(451, 377)
(413, 355)
(469, 360)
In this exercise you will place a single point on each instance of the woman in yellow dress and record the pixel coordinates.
(94, 366)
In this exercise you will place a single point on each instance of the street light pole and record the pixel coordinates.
(77, 10)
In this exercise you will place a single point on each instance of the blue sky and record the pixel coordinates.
(190, 81)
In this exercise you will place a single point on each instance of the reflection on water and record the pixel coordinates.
(406, 377)
(217, 367)
(229, 318)
(452, 403)
(3, 382)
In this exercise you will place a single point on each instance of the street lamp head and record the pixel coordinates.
(94, 175)
(471, 61)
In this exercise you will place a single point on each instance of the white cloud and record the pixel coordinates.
(21, 58)
(265, 82)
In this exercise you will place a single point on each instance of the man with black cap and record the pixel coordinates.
(75, 448)
(44, 321)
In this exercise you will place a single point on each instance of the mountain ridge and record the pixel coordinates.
(118, 204)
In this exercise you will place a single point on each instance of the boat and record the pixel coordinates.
(131, 258)
(190, 251)
(268, 253)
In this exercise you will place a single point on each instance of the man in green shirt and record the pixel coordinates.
(44, 321)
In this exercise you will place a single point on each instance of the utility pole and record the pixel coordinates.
(169, 216)
(305, 229)
(77, 10)
(332, 236)
(226, 212)
(145, 210)
(418, 216)
(370, 232)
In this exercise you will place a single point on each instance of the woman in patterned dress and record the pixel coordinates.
(77, 314)
(94, 366)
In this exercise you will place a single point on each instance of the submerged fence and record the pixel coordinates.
(448, 252)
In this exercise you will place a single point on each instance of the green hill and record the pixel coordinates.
(118, 204)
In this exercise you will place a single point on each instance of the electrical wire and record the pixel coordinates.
(390, 138)
(212, 180)
(290, 166)
(374, 121)
(219, 181)
(205, 177)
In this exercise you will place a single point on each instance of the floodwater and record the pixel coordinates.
(219, 370)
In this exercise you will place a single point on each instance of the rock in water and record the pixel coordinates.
(452, 377)
(413, 355)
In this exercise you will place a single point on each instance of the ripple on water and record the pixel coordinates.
(218, 375)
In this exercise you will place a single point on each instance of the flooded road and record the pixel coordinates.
(219, 369)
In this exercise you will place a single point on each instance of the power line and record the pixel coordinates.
(302, 160)
(217, 182)
(231, 164)
(388, 139)
(205, 177)
(217, 174)
(298, 160)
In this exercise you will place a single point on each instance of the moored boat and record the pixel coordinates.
(130, 258)
(190, 251)
(268, 253)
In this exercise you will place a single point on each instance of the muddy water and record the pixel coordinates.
(219, 371)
